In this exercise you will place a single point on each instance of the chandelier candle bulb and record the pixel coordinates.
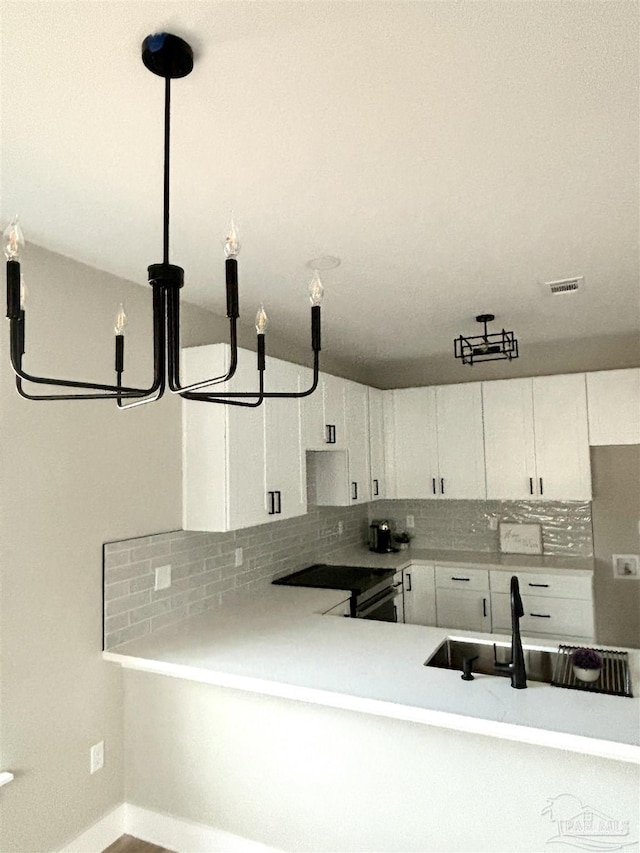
(13, 240)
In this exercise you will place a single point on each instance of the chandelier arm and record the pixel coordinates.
(173, 325)
(225, 398)
(159, 347)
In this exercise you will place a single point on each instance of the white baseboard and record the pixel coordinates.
(99, 836)
(165, 830)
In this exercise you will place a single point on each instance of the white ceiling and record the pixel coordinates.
(454, 155)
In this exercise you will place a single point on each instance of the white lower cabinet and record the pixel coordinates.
(559, 605)
(463, 599)
(419, 595)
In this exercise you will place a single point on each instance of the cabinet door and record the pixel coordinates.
(245, 450)
(312, 413)
(333, 391)
(509, 439)
(613, 398)
(376, 444)
(561, 437)
(419, 595)
(460, 441)
(466, 609)
(356, 407)
(284, 494)
(545, 616)
(415, 446)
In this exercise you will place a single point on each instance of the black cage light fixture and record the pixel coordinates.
(494, 346)
(169, 57)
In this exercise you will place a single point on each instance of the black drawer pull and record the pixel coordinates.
(541, 615)
(530, 485)
(376, 490)
(408, 577)
(354, 494)
(331, 434)
(460, 579)
(272, 503)
(484, 607)
(279, 505)
(541, 489)
(545, 585)
(434, 485)
(442, 485)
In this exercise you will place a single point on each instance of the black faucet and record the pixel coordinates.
(516, 667)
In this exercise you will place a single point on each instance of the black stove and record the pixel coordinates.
(356, 579)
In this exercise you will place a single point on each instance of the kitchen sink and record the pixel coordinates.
(451, 654)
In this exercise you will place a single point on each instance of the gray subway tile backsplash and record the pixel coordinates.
(204, 575)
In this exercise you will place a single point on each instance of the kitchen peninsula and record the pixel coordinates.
(340, 717)
(279, 643)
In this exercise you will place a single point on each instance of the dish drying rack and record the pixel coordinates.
(615, 679)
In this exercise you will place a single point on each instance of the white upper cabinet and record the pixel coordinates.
(241, 466)
(377, 483)
(356, 420)
(536, 438)
(460, 441)
(285, 487)
(323, 415)
(222, 447)
(613, 398)
(414, 443)
(437, 442)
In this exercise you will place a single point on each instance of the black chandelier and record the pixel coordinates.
(169, 57)
(486, 347)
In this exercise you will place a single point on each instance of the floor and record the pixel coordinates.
(129, 844)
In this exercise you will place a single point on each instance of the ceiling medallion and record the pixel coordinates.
(169, 57)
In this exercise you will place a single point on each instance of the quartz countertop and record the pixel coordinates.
(278, 642)
(362, 556)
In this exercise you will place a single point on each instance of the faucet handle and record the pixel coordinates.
(467, 664)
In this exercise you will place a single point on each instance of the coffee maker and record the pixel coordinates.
(380, 538)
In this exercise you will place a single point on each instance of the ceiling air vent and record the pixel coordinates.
(565, 285)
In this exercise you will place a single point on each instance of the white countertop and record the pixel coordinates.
(361, 556)
(277, 642)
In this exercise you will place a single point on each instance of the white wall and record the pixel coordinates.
(301, 777)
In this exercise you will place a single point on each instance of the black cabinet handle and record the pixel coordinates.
(272, 503)
(434, 485)
(541, 615)
(530, 485)
(330, 434)
(460, 579)
(376, 491)
(545, 585)
(442, 485)
(395, 613)
(541, 489)
(354, 494)
(484, 607)
(279, 503)
(408, 577)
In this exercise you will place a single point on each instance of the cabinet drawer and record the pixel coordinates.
(559, 617)
(555, 586)
(448, 578)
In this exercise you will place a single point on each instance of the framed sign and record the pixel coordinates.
(521, 539)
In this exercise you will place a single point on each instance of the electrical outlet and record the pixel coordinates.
(340, 528)
(239, 557)
(411, 521)
(163, 577)
(96, 757)
(493, 522)
(626, 565)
